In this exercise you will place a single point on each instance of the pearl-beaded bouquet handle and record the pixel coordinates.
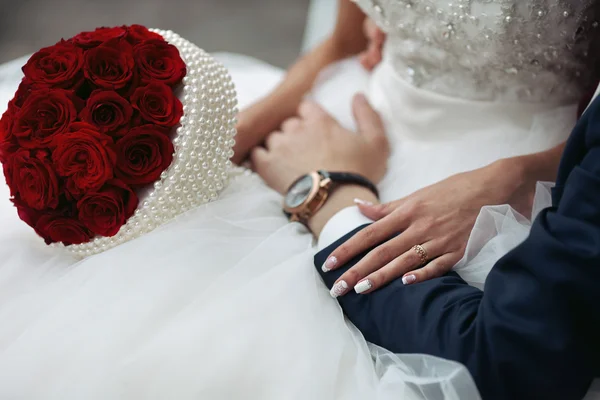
(115, 132)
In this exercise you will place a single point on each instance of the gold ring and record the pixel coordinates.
(422, 253)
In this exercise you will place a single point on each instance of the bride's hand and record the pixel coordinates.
(439, 218)
(373, 54)
(252, 127)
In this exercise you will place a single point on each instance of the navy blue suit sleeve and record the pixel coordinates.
(533, 332)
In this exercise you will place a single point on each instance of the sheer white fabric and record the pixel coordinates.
(224, 302)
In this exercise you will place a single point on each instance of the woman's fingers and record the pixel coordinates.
(395, 269)
(372, 55)
(386, 262)
(377, 211)
(367, 238)
(434, 269)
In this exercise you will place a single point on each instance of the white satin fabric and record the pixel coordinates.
(224, 302)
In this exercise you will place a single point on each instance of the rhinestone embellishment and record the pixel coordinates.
(525, 50)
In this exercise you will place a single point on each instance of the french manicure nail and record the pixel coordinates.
(363, 286)
(408, 279)
(329, 264)
(362, 202)
(339, 289)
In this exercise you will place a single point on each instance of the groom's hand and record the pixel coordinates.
(314, 141)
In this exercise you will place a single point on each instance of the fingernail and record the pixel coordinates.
(408, 279)
(361, 97)
(338, 289)
(363, 286)
(361, 202)
(329, 264)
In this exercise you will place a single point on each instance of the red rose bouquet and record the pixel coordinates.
(95, 146)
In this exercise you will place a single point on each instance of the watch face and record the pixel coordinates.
(299, 192)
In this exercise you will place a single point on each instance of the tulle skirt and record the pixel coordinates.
(224, 302)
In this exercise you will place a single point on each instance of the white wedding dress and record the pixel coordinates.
(224, 302)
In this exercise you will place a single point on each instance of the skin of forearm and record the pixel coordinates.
(347, 39)
(525, 171)
(285, 99)
(543, 166)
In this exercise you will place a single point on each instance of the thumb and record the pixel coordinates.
(376, 211)
(367, 119)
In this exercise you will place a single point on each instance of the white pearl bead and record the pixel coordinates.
(202, 142)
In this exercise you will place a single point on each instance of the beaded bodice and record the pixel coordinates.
(503, 50)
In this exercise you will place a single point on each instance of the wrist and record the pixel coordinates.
(514, 179)
(542, 166)
(254, 121)
(341, 197)
(509, 176)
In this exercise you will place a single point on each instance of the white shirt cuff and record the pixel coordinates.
(342, 223)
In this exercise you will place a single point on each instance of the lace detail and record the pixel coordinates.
(504, 50)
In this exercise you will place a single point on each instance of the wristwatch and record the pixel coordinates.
(309, 192)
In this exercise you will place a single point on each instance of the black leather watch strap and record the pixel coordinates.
(347, 177)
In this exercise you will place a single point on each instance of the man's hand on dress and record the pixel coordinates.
(314, 141)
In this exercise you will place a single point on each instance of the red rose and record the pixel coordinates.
(107, 210)
(45, 114)
(33, 179)
(96, 38)
(67, 230)
(26, 214)
(85, 157)
(56, 66)
(138, 33)
(159, 61)
(108, 112)
(157, 104)
(110, 65)
(23, 92)
(7, 140)
(143, 154)
(7, 172)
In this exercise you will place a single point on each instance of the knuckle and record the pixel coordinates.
(427, 223)
(368, 235)
(384, 208)
(424, 274)
(435, 271)
(384, 254)
(275, 140)
(352, 276)
(343, 252)
(290, 124)
(443, 268)
(303, 106)
(412, 258)
(410, 208)
(257, 157)
(381, 277)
